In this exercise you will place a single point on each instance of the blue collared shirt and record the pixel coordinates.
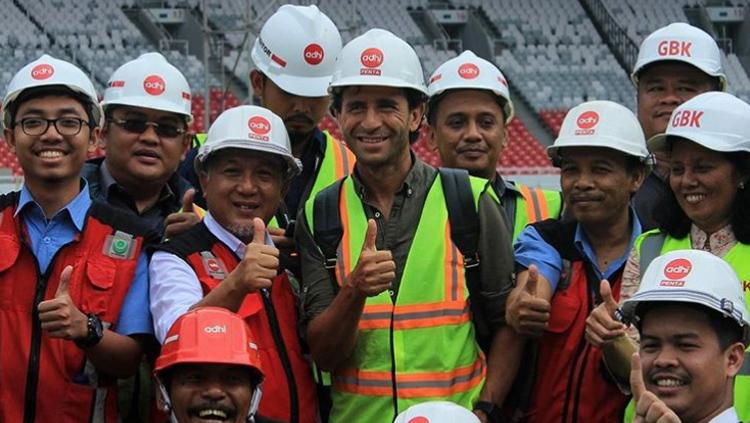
(531, 248)
(47, 236)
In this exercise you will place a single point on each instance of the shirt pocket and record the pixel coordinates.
(565, 309)
(98, 282)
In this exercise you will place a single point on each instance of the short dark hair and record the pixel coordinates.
(52, 91)
(413, 99)
(727, 330)
(433, 104)
(670, 217)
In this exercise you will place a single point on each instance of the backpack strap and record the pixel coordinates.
(327, 227)
(651, 249)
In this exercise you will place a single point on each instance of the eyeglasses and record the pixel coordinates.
(139, 126)
(67, 126)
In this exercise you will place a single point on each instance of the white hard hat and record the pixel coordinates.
(48, 71)
(684, 43)
(297, 49)
(601, 124)
(436, 412)
(467, 71)
(716, 120)
(151, 82)
(378, 58)
(250, 128)
(693, 276)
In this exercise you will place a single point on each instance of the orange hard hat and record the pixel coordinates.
(210, 335)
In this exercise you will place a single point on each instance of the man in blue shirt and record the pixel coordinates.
(91, 280)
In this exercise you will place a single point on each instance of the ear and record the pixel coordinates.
(415, 117)
(203, 180)
(94, 139)
(161, 402)
(637, 176)
(186, 138)
(257, 81)
(10, 139)
(505, 140)
(432, 141)
(734, 355)
(104, 135)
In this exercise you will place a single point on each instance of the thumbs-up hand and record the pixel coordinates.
(602, 327)
(527, 313)
(648, 407)
(375, 270)
(60, 317)
(184, 219)
(261, 262)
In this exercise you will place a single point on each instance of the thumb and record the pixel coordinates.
(62, 289)
(606, 292)
(187, 201)
(259, 231)
(370, 236)
(637, 385)
(533, 279)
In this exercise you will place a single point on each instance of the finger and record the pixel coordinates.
(62, 288)
(532, 281)
(259, 231)
(187, 201)
(370, 236)
(48, 306)
(276, 231)
(53, 325)
(606, 292)
(637, 385)
(539, 305)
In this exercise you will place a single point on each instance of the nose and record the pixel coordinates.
(665, 358)
(51, 133)
(671, 96)
(149, 135)
(371, 120)
(584, 181)
(213, 390)
(472, 132)
(247, 184)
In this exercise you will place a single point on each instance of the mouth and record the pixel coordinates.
(585, 199)
(372, 140)
(472, 153)
(667, 383)
(50, 153)
(299, 120)
(246, 207)
(147, 155)
(212, 414)
(694, 199)
(664, 114)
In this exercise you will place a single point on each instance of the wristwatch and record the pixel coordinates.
(485, 406)
(95, 332)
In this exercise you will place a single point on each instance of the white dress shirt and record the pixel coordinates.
(727, 416)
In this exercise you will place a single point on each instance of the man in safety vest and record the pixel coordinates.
(145, 136)
(393, 325)
(675, 63)
(294, 56)
(210, 369)
(228, 260)
(694, 325)
(73, 282)
(601, 153)
(468, 111)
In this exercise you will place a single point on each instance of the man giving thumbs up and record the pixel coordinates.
(228, 260)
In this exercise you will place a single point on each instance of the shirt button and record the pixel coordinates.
(409, 192)
(377, 214)
(46, 240)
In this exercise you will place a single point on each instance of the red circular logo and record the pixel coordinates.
(259, 125)
(213, 266)
(587, 120)
(468, 71)
(371, 57)
(154, 85)
(419, 419)
(314, 54)
(42, 71)
(678, 269)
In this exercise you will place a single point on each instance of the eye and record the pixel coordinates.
(487, 122)
(31, 123)
(676, 170)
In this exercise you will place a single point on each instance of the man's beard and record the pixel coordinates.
(243, 232)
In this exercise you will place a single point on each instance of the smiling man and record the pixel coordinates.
(145, 136)
(73, 281)
(228, 260)
(690, 312)
(601, 153)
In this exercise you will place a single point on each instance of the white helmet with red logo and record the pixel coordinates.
(378, 58)
(297, 49)
(47, 71)
(250, 128)
(436, 412)
(467, 71)
(151, 82)
(601, 124)
(684, 43)
(693, 276)
(716, 120)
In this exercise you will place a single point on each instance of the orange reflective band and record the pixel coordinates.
(542, 200)
(533, 207)
(414, 316)
(343, 269)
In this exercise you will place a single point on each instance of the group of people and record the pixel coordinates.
(347, 280)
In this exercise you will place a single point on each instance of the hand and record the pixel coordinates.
(281, 241)
(602, 328)
(529, 314)
(178, 222)
(260, 264)
(648, 407)
(60, 317)
(375, 270)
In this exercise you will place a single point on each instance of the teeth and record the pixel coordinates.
(694, 198)
(372, 140)
(669, 383)
(212, 413)
(49, 154)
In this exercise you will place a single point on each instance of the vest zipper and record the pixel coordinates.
(283, 355)
(571, 377)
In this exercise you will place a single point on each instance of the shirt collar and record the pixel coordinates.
(416, 177)
(501, 185)
(727, 416)
(77, 208)
(108, 181)
(584, 246)
(229, 239)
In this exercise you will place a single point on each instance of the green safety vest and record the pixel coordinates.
(424, 338)
(739, 258)
(534, 205)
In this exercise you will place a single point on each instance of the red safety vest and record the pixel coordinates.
(572, 384)
(288, 388)
(45, 379)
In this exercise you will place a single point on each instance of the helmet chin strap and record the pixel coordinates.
(254, 403)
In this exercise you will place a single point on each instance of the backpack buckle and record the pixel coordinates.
(330, 263)
(471, 261)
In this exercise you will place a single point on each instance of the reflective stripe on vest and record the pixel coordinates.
(536, 205)
(426, 339)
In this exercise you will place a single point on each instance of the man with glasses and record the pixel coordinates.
(145, 135)
(73, 282)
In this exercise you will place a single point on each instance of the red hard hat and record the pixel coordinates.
(210, 335)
